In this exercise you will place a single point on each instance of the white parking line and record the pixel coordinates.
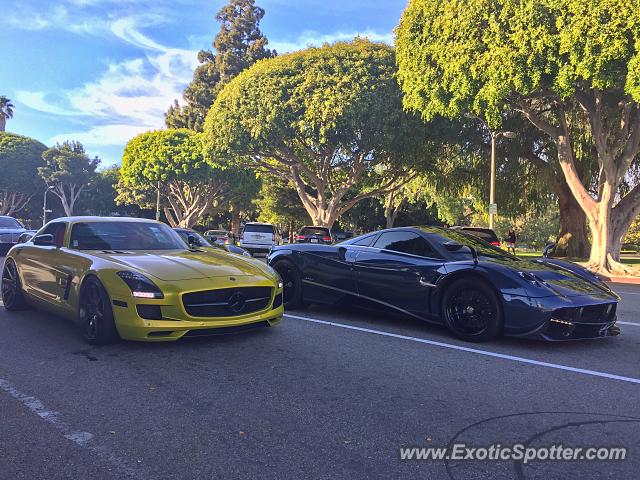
(628, 323)
(81, 438)
(626, 293)
(486, 353)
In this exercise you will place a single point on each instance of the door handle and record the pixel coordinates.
(425, 283)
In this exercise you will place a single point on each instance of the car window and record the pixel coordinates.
(9, 222)
(255, 228)
(405, 242)
(124, 236)
(56, 229)
(200, 241)
(486, 235)
(315, 231)
(364, 241)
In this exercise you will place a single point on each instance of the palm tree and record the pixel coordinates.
(6, 111)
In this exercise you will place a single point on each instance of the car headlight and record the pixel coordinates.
(275, 274)
(247, 254)
(141, 286)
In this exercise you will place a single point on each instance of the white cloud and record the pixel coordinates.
(129, 97)
(312, 38)
(106, 135)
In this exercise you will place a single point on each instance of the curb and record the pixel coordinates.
(622, 280)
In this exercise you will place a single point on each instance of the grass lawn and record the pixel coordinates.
(628, 259)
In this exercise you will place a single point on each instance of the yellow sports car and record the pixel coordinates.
(136, 279)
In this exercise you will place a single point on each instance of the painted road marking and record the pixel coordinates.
(628, 323)
(477, 351)
(83, 439)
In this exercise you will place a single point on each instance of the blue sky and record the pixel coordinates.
(102, 71)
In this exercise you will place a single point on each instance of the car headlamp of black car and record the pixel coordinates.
(141, 286)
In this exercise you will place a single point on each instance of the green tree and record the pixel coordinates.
(238, 45)
(171, 162)
(20, 158)
(6, 111)
(326, 119)
(570, 67)
(68, 169)
(278, 203)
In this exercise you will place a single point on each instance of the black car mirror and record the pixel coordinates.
(193, 241)
(547, 249)
(453, 246)
(342, 253)
(45, 240)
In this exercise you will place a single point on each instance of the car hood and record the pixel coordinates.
(559, 278)
(175, 265)
(12, 230)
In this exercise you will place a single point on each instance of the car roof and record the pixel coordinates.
(259, 223)
(78, 219)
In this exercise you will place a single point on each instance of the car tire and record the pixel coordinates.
(471, 310)
(12, 296)
(95, 314)
(292, 285)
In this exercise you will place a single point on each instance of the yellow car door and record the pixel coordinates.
(39, 265)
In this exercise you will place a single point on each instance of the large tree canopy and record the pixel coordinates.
(328, 119)
(171, 162)
(570, 67)
(20, 158)
(68, 169)
(238, 45)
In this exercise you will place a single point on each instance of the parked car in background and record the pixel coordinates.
(10, 231)
(485, 234)
(259, 237)
(314, 235)
(201, 241)
(219, 236)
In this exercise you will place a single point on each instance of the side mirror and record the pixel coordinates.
(45, 240)
(192, 241)
(547, 249)
(453, 246)
(342, 253)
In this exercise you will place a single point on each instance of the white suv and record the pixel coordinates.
(259, 237)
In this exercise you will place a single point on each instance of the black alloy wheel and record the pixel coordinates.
(471, 310)
(12, 296)
(95, 314)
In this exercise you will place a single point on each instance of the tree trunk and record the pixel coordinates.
(572, 240)
(235, 221)
(3, 123)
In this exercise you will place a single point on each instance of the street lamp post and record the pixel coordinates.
(44, 206)
(492, 183)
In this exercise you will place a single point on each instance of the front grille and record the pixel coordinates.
(277, 301)
(603, 313)
(206, 332)
(149, 312)
(227, 302)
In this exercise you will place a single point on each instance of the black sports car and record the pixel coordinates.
(447, 276)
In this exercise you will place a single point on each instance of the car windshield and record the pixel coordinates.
(315, 231)
(200, 240)
(8, 222)
(258, 228)
(486, 235)
(470, 240)
(124, 236)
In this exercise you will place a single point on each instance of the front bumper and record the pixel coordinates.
(577, 318)
(175, 323)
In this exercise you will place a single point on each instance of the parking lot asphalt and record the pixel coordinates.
(331, 393)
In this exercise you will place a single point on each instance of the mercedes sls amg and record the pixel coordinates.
(136, 279)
